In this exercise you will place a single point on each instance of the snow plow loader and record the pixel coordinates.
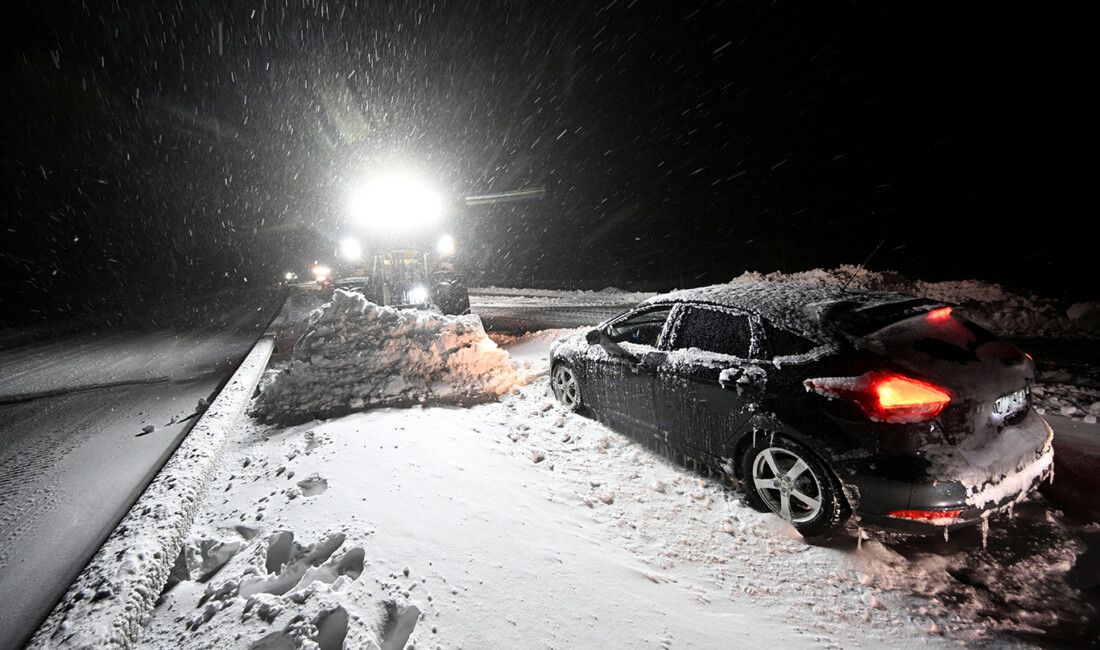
(411, 277)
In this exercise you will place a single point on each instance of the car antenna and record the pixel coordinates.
(845, 287)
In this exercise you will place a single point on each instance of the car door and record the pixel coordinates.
(622, 374)
(708, 346)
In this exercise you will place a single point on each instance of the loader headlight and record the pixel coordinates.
(418, 294)
(446, 245)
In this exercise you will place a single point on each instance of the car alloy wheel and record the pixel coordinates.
(566, 387)
(784, 478)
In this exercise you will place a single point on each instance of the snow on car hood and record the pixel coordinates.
(357, 355)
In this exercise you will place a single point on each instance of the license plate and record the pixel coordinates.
(1012, 404)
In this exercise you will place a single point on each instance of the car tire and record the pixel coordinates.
(783, 477)
(567, 386)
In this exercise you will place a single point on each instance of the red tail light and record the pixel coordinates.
(935, 517)
(941, 313)
(883, 396)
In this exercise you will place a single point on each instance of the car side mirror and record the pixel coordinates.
(600, 338)
(729, 378)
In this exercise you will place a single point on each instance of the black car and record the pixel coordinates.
(827, 404)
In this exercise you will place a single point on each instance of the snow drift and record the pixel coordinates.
(989, 305)
(357, 355)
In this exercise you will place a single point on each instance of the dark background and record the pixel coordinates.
(153, 150)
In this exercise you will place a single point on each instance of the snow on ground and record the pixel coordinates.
(518, 524)
(511, 524)
(557, 297)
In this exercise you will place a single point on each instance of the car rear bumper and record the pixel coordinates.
(1002, 475)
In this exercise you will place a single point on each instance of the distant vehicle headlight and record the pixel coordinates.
(418, 294)
(446, 245)
(351, 249)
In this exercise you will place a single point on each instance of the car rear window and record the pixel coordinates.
(714, 331)
(948, 337)
(859, 319)
(782, 343)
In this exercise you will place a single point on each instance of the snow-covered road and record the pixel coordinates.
(86, 421)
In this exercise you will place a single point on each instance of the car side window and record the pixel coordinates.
(644, 328)
(715, 331)
(782, 343)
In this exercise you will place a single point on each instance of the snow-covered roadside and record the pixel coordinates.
(518, 524)
(557, 297)
(511, 524)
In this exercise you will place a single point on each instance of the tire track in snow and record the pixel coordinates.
(26, 459)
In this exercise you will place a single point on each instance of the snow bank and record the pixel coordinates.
(357, 355)
(989, 305)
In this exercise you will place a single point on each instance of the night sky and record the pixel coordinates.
(152, 150)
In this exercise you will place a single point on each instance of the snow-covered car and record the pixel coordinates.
(827, 404)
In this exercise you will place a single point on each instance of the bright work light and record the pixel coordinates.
(395, 203)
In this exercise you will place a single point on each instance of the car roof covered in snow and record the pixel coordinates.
(811, 309)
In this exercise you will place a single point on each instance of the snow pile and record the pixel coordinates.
(989, 305)
(1074, 402)
(357, 355)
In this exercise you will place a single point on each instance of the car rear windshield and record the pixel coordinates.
(945, 336)
(859, 319)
